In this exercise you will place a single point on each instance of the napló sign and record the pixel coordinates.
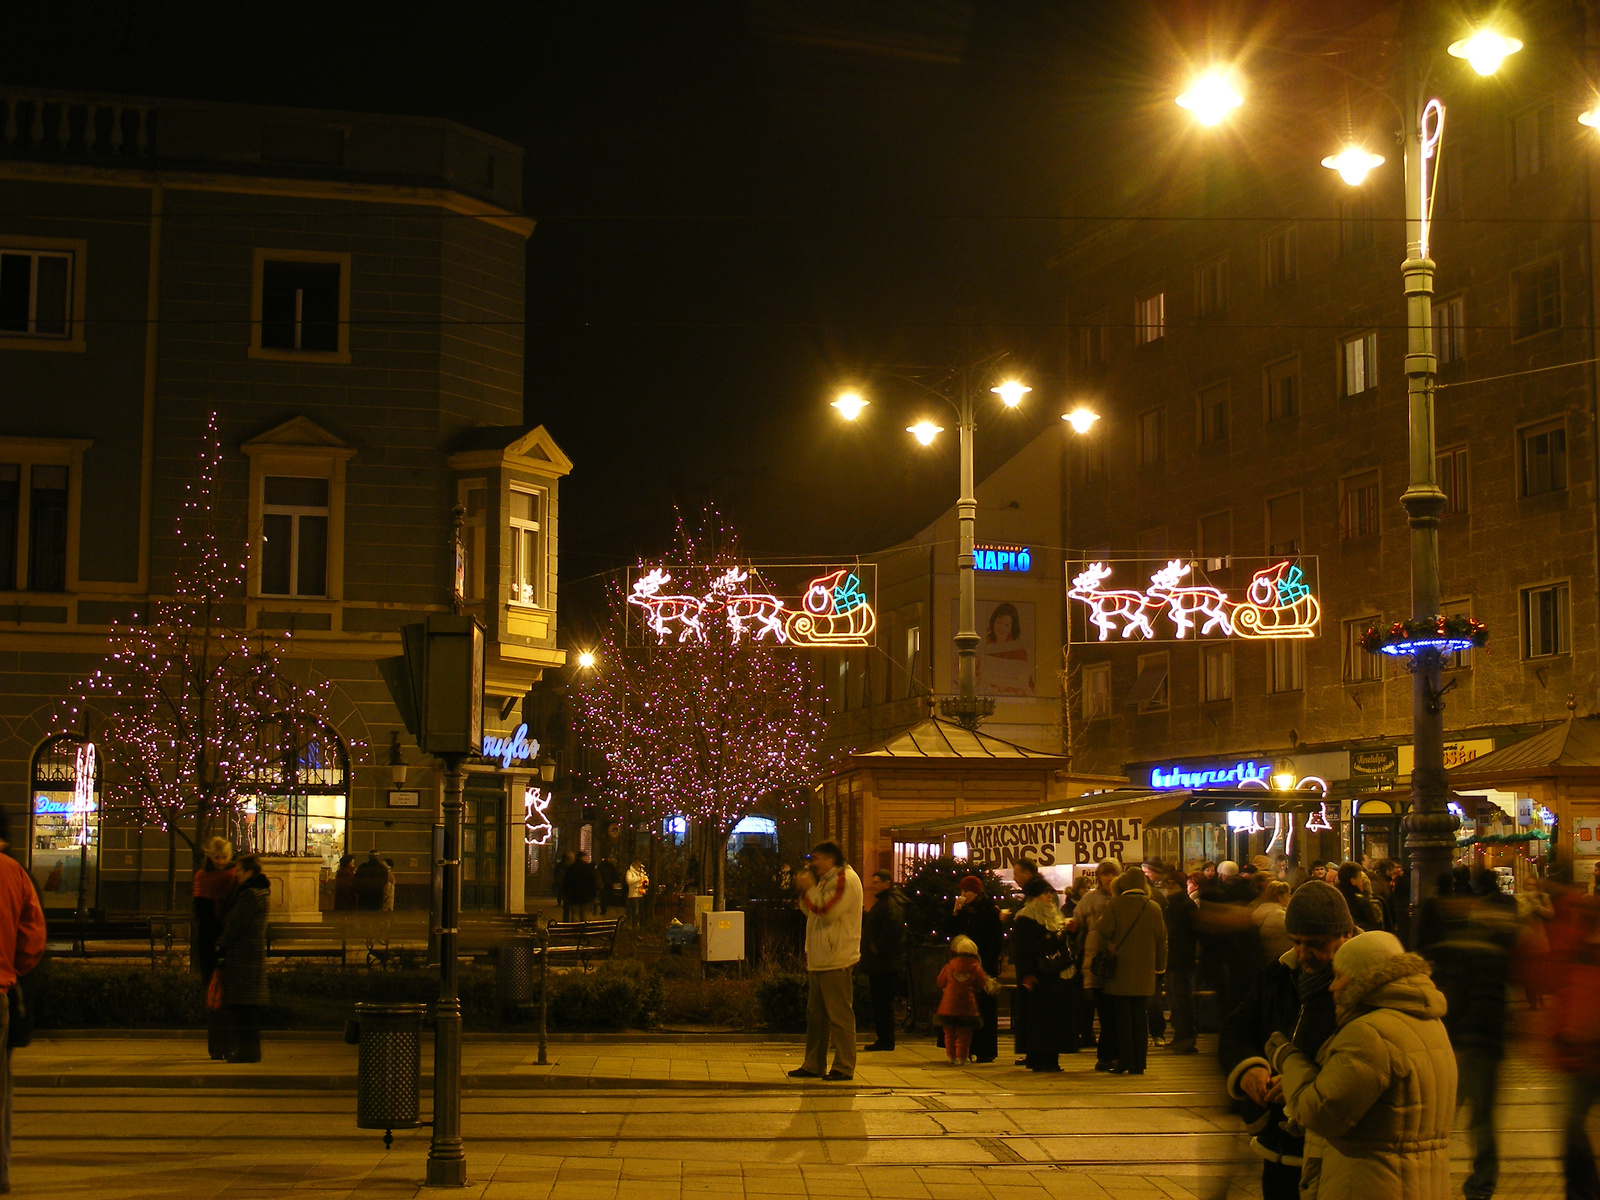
(1049, 843)
(1181, 601)
(1014, 560)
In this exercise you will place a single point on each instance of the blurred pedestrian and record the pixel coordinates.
(22, 939)
(1291, 996)
(242, 952)
(1084, 916)
(558, 881)
(344, 882)
(1361, 911)
(1534, 911)
(581, 887)
(370, 880)
(1230, 947)
(1378, 1102)
(1038, 936)
(388, 885)
(1133, 934)
(883, 953)
(213, 888)
(833, 947)
(1268, 917)
(974, 915)
(961, 982)
(1572, 1029)
(1182, 960)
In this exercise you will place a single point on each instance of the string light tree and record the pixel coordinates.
(699, 728)
(196, 712)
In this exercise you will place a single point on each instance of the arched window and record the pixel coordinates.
(64, 822)
(299, 798)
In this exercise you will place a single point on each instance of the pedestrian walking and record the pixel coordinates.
(1268, 917)
(609, 881)
(372, 877)
(1084, 916)
(22, 938)
(1534, 911)
(975, 915)
(242, 950)
(344, 882)
(833, 947)
(1378, 1101)
(883, 954)
(1572, 1019)
(1230, 946)
(213, 889)
(638, 881)
(1127, 952)
(961, 982)
(1182, 962)
(558, 882)
(580, 887)
(1291, 996)
(1038, 947)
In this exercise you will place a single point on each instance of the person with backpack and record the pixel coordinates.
(1038, 949)
(1127, 953)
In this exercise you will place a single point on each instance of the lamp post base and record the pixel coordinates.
(446, 1172)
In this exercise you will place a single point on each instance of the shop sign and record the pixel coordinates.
(1050, 843)
(517, 748)
(1014, 560)
(1456, 754)
(1586, 835)
(1385, 760)
(1226, 774)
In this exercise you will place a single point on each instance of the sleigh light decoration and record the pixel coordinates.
(832, 609)
(1278, 603)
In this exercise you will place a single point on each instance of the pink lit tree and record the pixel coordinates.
(196, 709)
(702, 728)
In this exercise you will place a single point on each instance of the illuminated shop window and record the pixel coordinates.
(64, 833)
(298, 800)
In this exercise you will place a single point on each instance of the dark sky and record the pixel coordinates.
(737, 203)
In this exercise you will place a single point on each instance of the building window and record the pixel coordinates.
(1546, 621)
(1214, 414)
(296, 800)
(301, 306)
(1288, 665)
(1094, 341)
(1150, 543)
(1460, 660)
(10, 515)
(1150, 318)
(47, 528)
(64, 836)
(1211, 288)
(474, 535)
(1096, 691)
(1358, 506)
(913, 659)
(1152, 691)
(1279, 262)
(1284, 535)
(1283, 389)
(1360, 362)
(1216, 673)
(1544, 458)
(1151, 440)
(1359, 666)
(527, 560)
(294, 536)
(1536, 300)
(1530, 141)
(1450, 467)
(1450, 331)
(36, 293)
(1216, 541)
(1356, 226)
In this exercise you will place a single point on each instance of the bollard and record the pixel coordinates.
(388, 1093)
(544, 993)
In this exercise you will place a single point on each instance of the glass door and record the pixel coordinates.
(482, 820)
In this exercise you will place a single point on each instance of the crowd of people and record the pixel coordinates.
(1346, 1042)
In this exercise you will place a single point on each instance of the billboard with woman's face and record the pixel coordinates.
(1007, 656)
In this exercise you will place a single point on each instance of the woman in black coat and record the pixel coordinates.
(1040, 993)
(976, 916)
(242, 952)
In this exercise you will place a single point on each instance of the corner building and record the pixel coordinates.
(346, 292)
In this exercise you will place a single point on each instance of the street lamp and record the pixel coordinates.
(586, 660)
(1353, 163)
(1485, 50)
(1081, 419)
(1211, 97)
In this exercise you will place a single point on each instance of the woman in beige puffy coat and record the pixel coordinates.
(1378, 1103)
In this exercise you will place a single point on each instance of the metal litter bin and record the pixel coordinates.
(514, 960)
(388, 1095)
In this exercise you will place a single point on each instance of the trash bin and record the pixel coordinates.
(514, 960)
(390, 1072)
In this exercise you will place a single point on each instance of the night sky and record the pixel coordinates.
(737, 204)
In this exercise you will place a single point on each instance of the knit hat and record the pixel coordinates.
(1132, 881)
(1365, 951)
(1317, 910)
(1227, 868)
(971, 884)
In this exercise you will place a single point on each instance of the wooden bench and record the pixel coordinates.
(91, 938)
(305, 941)
(587, 941)
(477, 937)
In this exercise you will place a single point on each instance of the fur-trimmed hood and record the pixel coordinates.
(1401, 983)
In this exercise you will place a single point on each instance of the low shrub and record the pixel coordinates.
(781, 997)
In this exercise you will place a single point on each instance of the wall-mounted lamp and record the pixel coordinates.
(547, 769)
(397, 764)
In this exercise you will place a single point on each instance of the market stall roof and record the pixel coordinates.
(1569, 748)
(933, 738)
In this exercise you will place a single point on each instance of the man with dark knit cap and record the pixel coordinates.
(1291, 996)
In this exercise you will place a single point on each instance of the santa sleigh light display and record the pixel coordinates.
(834, 608)
(1278, 603)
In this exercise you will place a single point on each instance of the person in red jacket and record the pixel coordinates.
(21, 948)
(960, 982)
(1572, 1027)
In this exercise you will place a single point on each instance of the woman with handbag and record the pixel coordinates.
(213, 888)
(242, 947)
(1037, 947)
(1127, 951)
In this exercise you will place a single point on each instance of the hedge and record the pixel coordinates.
(781, 1000)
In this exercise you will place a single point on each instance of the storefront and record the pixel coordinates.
(297, 800)
(64, 826)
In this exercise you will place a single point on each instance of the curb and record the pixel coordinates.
(671, 1037)
(482, 1082)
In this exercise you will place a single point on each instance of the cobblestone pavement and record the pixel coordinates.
(642, 1120)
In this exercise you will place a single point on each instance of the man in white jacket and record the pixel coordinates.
(833, 946)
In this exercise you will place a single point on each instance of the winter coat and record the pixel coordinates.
(1471, 954)
(1274, 937)
(213, 888)
(1134, 929)
(638, 880)
(1182, 940)
(344, 889)
(1087, 912)
(833, 921)
(979, 919)
(1572, 1011)
(959, 983)
(1028, 929)
(242, 944)
(1045, 1028)
(1361, 910)
(371, 877)
(883, 933)
(1379, 1100)
(581, 884)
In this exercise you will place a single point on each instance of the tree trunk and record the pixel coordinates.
(172, 867)
(719, 893)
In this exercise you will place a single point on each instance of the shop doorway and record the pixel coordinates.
(482, 819)
(64, 830)
(1377, 830)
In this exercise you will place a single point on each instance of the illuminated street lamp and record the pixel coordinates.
(1591, 118)
(850, 405)
(1211, 97)
(1485, 50)
(925, 432)
(1081, 419)
(1353, 163)
(586, 660)
(1011, 392)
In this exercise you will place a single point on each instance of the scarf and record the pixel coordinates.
(1043, 909)
(825, 900)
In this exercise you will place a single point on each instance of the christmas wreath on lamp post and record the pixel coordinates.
(1444, 635)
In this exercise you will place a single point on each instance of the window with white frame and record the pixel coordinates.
(1150, 318)
(1359, 666)
(300, 305)
(1096, 691)
(35, 527)
(1359, 362)
(1152, 437)
(1546, 621)
(527, 558)
(294, 536)
(1216, 673)
(474, 539)
(1460, 660)
(1288, 665)
(36, 293)
(1450, 467)
(1279, 262)
(1283, 389)
(1450, 331)
(1544, 458)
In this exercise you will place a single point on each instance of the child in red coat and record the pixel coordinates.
(959, 982)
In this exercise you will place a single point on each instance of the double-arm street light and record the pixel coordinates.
(1430, 827)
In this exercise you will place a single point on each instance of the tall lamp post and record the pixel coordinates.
(966, 707)
(1430, 827)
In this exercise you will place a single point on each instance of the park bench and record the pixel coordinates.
(477, 937)
(588, 942)
(305, 941)
(91, 937)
